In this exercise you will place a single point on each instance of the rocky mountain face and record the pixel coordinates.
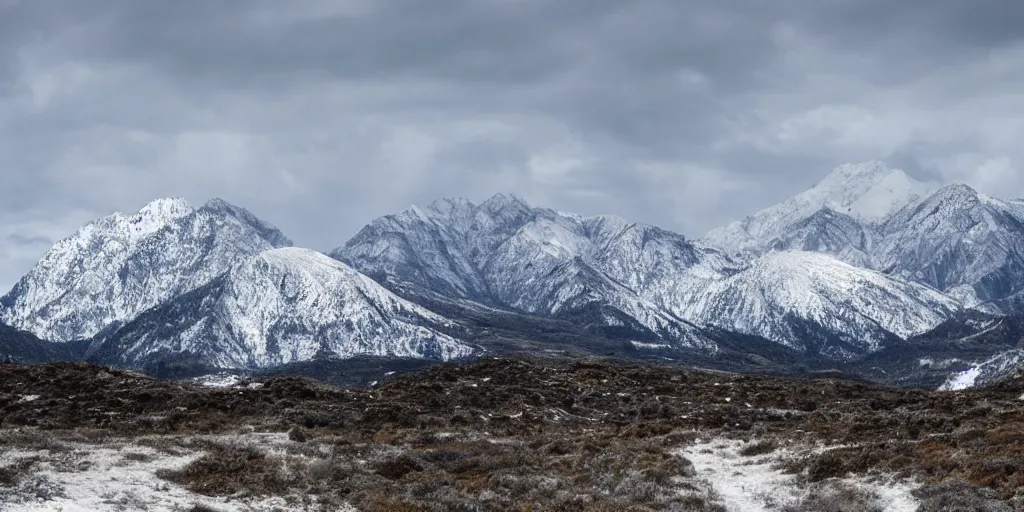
(115, 268)
(840, 207)
(867, 263)
(24, 347)
(813, 302)
(506, 254)
(829, 232)
(212, 286)
(279, 307)
(509, 255)
(956, 240)
(959, 241)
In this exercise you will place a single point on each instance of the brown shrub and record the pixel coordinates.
(225, 470)
(960, 496)
(837, 498)
(397, 467)
(762, 447)
(298, 435)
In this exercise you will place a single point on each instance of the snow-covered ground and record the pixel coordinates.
(758, 483)
(218, 380)
(122, 477)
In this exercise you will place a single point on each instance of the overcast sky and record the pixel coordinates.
(319, 115)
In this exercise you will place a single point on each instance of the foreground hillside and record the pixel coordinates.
(504, 434)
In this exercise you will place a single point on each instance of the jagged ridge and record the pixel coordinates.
(278, 307)
(116, 267)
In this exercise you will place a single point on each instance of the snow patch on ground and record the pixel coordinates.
(118, 477)
(105, 478)
(742, 483)
(225, 381)
(962, 380)
(754, 484)
(218, 380)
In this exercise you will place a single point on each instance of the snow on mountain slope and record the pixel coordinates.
(832, 233)
(967, 245)
(894, 191)
(985, 372)
(959, 241)
(867, 192)
(848, 309)
(283, 306)
(506, 254)
(118, 266)
(605, 269)
(956, 240)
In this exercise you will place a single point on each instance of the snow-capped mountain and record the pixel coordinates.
(816, 303)
(830, 232)
(955, 240)
(116, 267)
(863, 194)
(507, 254)
(958, 241)
(277, 307)
(865, 263)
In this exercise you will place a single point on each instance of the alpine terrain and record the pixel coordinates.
(954, 239)
(580, 347)
(507, 254)
(119, 266)
(868, 263)
(278, 307)
(213, 287)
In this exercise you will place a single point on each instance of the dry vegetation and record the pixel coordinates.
(515, 434)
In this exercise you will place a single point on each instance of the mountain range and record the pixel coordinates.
(868, 262)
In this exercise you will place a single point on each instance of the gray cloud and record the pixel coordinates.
(322, 114)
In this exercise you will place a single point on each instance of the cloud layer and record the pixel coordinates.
(319, 115)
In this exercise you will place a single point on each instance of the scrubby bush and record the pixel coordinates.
(762, 447)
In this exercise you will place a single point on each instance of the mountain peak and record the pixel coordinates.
(112, 269)
(951, 200)
(268, 231)
(859, 170)
(500, 201)
(957, 191)
(166, 206)
(299, 257)
(863, 307)
(154, 216)
(952, 203)
(869, 190)
(450, 205)
(218, 203)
